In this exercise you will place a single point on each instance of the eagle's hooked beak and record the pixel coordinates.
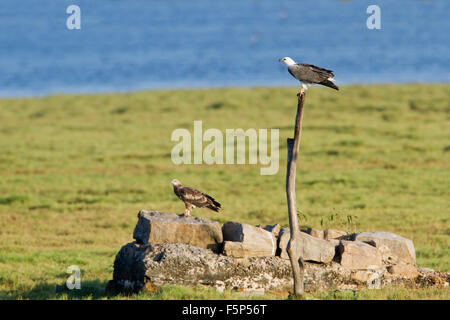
(281, 59)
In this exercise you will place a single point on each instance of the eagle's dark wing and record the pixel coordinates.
(198, 198)
(309, 73)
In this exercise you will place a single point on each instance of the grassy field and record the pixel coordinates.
(75, 170)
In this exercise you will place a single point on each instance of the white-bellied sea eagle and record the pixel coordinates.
(309, 74)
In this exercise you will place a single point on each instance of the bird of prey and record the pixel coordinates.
(193, 198)
(309, 74)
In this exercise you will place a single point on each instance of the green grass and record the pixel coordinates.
(76, 169)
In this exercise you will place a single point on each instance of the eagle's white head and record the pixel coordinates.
(288, 61)
(175, 182)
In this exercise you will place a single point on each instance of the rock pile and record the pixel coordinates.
(173, 249)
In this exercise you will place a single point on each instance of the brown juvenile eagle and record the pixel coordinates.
(309, 74)
(193, 198)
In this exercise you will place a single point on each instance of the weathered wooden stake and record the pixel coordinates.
(293, 146)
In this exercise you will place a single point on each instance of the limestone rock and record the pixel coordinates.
(425, 270)
(329, 234)
(361, 276)
(400, 247)
(245, 249)
(141, 266)
(358, 255)
(312, 248)
(159, 227)
(386, 254)
(315, 233)
(405, 270)
(274, 228)
(254, 241)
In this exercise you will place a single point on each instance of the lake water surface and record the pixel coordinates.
(142, 44)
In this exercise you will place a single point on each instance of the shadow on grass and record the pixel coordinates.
(91, 289)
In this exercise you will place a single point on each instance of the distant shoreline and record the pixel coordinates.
(198, 87)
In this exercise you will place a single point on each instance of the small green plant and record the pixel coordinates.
(339, 220)
(302, 218)
(335, 220)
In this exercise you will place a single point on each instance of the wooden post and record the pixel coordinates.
(293, 146)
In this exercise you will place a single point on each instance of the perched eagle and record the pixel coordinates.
(193, 198)
(308, 74)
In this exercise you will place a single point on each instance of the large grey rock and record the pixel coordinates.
(160, 227)
(138, 266)
(388, 257)
(253, 241)
(358, 255)
(272, 228)
(317, 233)
(311, 248)
(400, 247)
(330, 234)
(403, 269)
(243, 250)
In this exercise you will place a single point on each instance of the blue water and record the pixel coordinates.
(142, 44)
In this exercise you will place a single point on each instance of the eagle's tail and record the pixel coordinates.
(216, 209)
(330, 84)
(213, 205)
